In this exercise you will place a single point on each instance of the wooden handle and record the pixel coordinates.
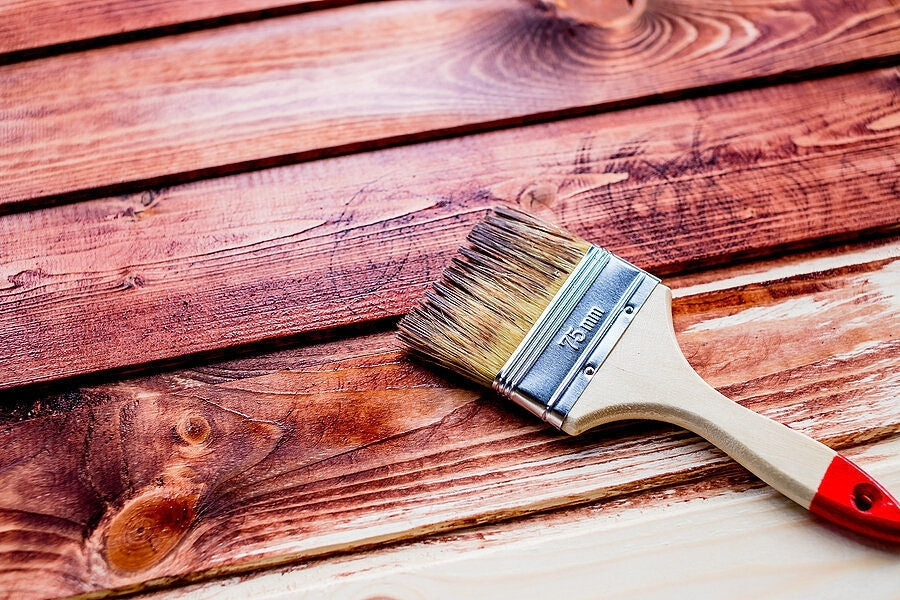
(647, 377)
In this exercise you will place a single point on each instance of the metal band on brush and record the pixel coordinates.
(573, 336)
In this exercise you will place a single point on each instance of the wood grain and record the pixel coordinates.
(373, 350)
(278, 253)
(266, 469)
(256, 94)
(713, 539)
(31, 24)
(336, 443)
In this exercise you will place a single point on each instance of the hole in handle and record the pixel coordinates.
(850, 497)
(865, 496)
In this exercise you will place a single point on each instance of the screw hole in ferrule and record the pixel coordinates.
(569, 341)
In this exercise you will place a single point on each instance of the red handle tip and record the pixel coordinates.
(849, 496)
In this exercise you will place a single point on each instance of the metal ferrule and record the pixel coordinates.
(573, 336)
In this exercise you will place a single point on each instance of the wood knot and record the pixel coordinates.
(193, 429)
(26, 279)
(132, 282)
(147, 529)
(539, 196)
(602, 13)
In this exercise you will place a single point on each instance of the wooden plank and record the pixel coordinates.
(257, 94)
(142, 485)
(30, 24)
(714, 539)
(282, 252)
(373, 352)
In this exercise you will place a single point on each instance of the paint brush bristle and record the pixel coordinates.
(492, 293)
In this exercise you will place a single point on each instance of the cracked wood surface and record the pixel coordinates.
(207, 266)
(165, 110)
(171, 479)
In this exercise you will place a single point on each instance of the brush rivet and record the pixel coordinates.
(589, 370)
(629, 309)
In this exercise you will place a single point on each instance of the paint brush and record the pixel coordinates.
(580, 337)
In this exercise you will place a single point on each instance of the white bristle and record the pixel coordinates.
(492, 293)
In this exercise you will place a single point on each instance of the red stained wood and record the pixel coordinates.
(123, 281)
(220, 478)
(299, 87)
(335, 445)
(28, 24)
(696, 535)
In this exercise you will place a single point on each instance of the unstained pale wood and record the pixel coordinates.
(215, 264)
(135, 483)
(717, 538)
(647, 377)
(299, 87)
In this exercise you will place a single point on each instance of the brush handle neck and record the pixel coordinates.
(647, 377)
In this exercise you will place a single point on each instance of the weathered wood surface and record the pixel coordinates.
(159, 111)
(162, 477)
(214, 264)
(33, 24)
(675, 542)
(773, 211)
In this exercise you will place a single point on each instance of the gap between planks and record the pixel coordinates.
(376, 350)
(31, 29)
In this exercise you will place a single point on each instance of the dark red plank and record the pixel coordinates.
(297, 87)
(123, 281)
